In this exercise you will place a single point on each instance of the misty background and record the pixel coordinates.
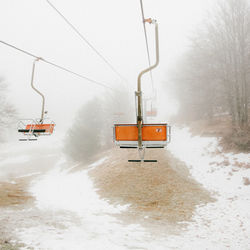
(54, 189)
(203, 72)
(113, 27)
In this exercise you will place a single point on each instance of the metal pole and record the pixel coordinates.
(139, 92)
(32, 85)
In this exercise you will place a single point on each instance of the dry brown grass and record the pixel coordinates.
(161, 190)
(219, 126)
(233, 139)
(13, 193)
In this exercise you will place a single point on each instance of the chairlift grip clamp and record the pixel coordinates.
(138, 93)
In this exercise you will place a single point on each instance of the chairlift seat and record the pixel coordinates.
(38, 128)
(153, 135)
(41, 128)
(31, 128)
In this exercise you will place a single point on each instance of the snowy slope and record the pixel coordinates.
(224, 224)
(81, 220)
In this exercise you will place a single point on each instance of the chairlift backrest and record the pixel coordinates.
(153, 135)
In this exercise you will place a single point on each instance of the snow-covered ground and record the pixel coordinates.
(224, 224)
(18, 159)
(94, 227)
(81, 220)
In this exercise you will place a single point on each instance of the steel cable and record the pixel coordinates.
(86, 41)
(57, 66)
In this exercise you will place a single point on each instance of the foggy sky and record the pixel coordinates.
(114, 27)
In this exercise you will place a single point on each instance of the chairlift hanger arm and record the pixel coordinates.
(33, 87)
(139, 92)
(149, 20)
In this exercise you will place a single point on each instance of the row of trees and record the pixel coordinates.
(214, 75)
(92, 130)
(7, 111)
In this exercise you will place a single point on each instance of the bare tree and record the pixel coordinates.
(231, 27)
(7, 111)
(215, 73)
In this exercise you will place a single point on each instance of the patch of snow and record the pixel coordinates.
(96, 228)
(60, 190)
(103, 234)
(28, 175)
(225, 223)
(98, 163)
(15, 160)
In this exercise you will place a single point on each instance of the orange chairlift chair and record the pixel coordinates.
(31, 129)
(143, 135)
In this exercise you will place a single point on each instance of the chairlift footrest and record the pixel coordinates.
(27, 139)
(128, 147)
(142, 160)
(154, 147)
(23, 130)
(33, 131)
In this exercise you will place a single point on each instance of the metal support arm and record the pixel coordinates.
(33, 87)
(139, 95)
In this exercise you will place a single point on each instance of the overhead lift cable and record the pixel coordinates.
(57, 66)
(146, 40)
(86, 41)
